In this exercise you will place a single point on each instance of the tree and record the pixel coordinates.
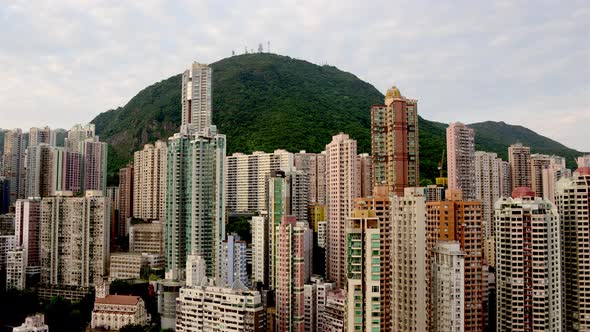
(120, 287)
(133, 328)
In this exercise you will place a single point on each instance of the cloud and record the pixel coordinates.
(66, 61)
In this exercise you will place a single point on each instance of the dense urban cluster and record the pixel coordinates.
(337, 240)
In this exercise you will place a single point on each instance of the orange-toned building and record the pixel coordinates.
(394, 142)
(458, 220)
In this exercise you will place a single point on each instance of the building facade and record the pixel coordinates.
(363, 293)
(147, 238)
(126, 185)
(519, 157)
(447, 287)
(233, 261)
(341, 187)
(74, 239)
(314, 165)
(247, 178)
(196, 97)
(528, 271)
(572, 198)
(195, 200)
(149, 181)
(27, 226)
(461, 159)
(394, 142)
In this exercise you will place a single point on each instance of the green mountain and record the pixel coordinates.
(267, 101)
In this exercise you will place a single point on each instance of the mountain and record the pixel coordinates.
(267, 101)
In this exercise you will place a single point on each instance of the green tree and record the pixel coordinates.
(133, 328)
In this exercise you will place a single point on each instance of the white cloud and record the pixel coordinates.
(65, 61)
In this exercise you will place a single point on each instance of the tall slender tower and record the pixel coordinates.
(394, 141)
(528, 270)
(93, 164)
(41, 135)
(461, 159)
(39, 170)
(363, 295)
(341, 185)
(573, 203)
(196, 97)
(149, 181)
(195, 200)
(411, 251)
(13, 161)
(126, 186)
(519, 157)
(292, 262)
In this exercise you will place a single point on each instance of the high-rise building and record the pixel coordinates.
(447, 287)
(379, 202)
(488, 186)
(293, 263)
(78, 134)
(41, 135)
(196, 97)
(341, 188)
(394, 141)
(202, 307)
(364, 176)
(528, 271)
(233, 261)
(13, 161)
(195, 200)
(331, 319)
(457, 220)
(461, 159)
(545, 172)
(363, 294)
(310, 309)
(505, 179)
(314, 165)
(435, 193)
(27, 232)
(15, 268)
(247, 176)
(147, 238)
(519, 157)
(39, 171)
(260, 234)
(572, 198)
(4, 194)
(93, 160)
(66, 170)
(584, 161)
(126, 186)
(74, 239)
(149, 181)
(410, 273)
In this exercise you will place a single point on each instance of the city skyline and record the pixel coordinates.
(450, 53)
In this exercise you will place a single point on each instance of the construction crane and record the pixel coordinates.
(440, 180)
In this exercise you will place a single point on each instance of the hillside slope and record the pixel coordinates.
(267, 101)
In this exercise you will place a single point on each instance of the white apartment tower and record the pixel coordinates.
(260, 234)
(247, 175)
(410, 262)
(75, 239)
(16, 268)
(149, 181)
(78, 134)
(447, 287)
(196, 97)
(363, 294)
(461, 159)
(528, 271)
(572, 198)
(341, 189)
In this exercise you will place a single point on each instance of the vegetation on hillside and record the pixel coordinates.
(266, 102)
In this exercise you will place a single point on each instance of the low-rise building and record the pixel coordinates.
(35, 323)
(127, 265)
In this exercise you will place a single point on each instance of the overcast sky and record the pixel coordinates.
(522, 62)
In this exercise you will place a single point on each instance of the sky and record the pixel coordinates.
(522, 62)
